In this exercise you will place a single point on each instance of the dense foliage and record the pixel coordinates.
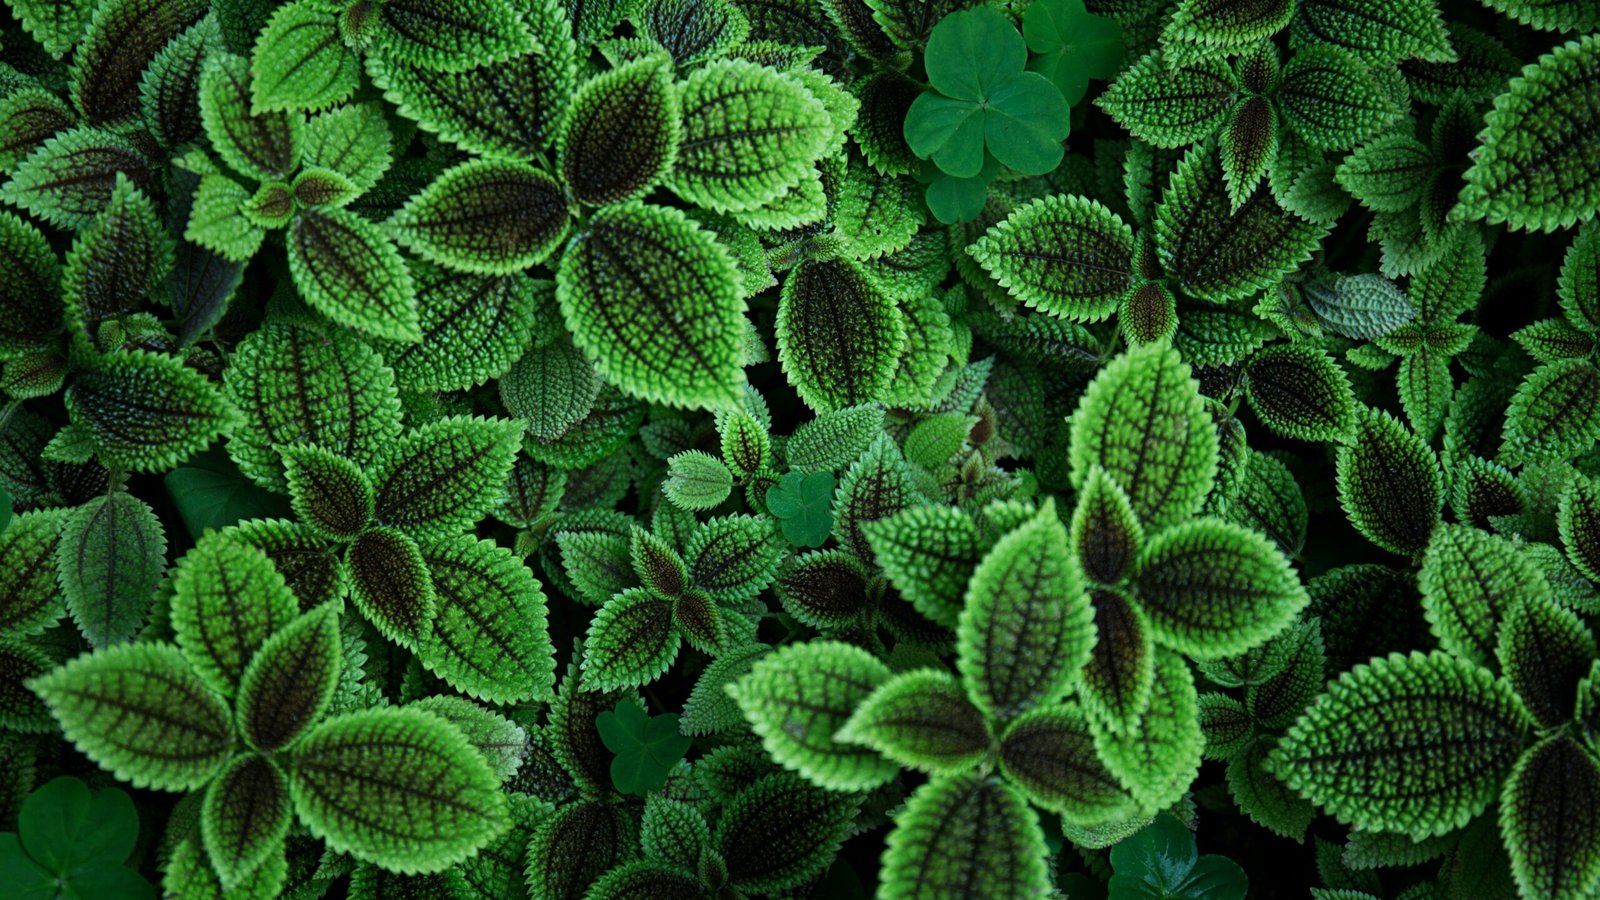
(685, 448)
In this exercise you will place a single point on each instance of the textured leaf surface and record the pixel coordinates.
(228, 598)
(291, 680)
(1536, 168)
(1027, 627)
(1470, 581)
(140, 712)
(839, 336)
(1159, 761)
(146, 412)
(653, 300)
(631, 642)
(921, 719)
(442, 477)
(1389, 484)
(963, 830)
(749, 134)
(244, 817)
(1300, 392)
(797, 698)
(1064, 255)
(398, 787)
(485, 216)
(1049, 752)
(1549, 821)
(1415, 744)
(1143, 422)
(110, 557)
(349, 271)
(621, 134)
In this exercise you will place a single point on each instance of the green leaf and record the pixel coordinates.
(1121, 669)
(1578, 521)
(263, 146)
(1388, 173)
(694, 30)
(709, 709)
(878, 484)
(509, 108)
(218, 220)
(1579, 285)
(169, 89)
(69, 180)
(834, 439)
(1027, 627)
(1554, 413)
(30, 278)
(1160, 861)
(1545, 651)
(1206, 29)
(1171, 105)
(927, 553)
(291, 681)
(397, 787)
(1389, 484)
(631, 642)
(1536, 167)
(1548, 819)
(696, 480)
(141, 713)
(921, 719)
(1158, 761)
(111, 555)
(489, 638)
(1069, 46)
(1416, 744)
(827, 589)
(1143, 393)
(63, 828)
(803, 504)
(621, 133)
(352, 140)
(450, 36)
(574, 846)
(653, 299)
(734, 557)
(32, 600)
(1049, 753)
(1299, 391)
(443, 477)
(348, 270)
(798, 697)
(144, 411)
(118, 260)
(123, 37)
(750, 134)
(473, 329)
(553, 387)
(297, 385)
(300, 61)
(1401, 30)
(964, 830)
(1331, 99)
(485, 216)
(813, 822)
(1362, 307)
(57, 25)
(227, 599)
(1220, 251)
(390, 584)
(1064, 255)
(839, 335)
(646, 747)
(1471, 581)
(190, 874)
(1264, 798)
(330, 493)
(983, 100)
(245, 817)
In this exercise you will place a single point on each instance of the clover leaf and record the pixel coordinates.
(1070, 45)
(71, 844)
(803, 503)
(983, 97)
(646, 746)
(1160, 862)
